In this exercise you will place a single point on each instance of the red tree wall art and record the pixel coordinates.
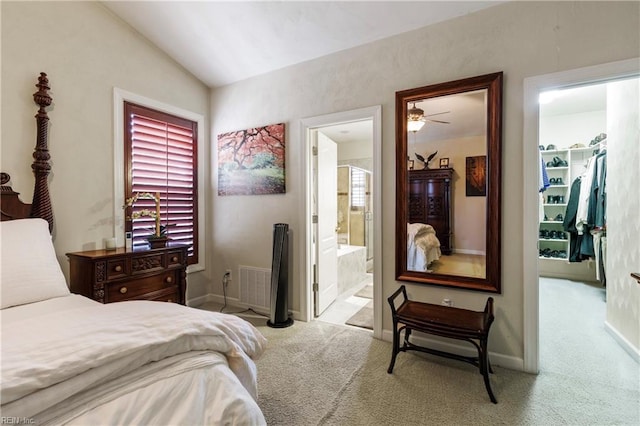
(251, 162)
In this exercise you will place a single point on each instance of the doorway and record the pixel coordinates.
(532, 212)
(354, 228)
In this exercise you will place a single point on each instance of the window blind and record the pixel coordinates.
(358, 188)
(161, 151)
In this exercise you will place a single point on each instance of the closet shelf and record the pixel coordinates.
(553, 258)
(555, 204)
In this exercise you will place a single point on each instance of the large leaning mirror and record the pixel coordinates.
(448, 173)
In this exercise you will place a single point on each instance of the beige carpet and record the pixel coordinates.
(363, 318)
(322, 374)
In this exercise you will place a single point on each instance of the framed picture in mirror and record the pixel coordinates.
(444, 163)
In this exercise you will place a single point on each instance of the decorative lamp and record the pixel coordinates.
(415, 119)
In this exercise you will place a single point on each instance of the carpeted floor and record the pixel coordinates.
(322, 374)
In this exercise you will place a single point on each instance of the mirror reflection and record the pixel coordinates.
(448, 147)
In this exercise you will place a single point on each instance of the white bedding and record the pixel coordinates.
(423, 246)
(72, 360)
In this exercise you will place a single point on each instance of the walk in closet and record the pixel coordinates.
(572, 134)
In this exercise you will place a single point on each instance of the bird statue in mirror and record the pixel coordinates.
(426, 160)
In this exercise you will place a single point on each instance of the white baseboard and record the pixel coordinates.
(506, 361)
(622, 341)
(236, 303)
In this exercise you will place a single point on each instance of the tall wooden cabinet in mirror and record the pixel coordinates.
(448, 183)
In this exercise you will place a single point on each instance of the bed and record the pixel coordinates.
(423, 247)
(67, 359)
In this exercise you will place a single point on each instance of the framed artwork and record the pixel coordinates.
(251, 161)
(409, 164)
(444, 163)
(476, 176)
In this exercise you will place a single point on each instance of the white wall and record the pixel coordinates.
(623, 205)
(521, 39)
(567, 129)
(86, 52)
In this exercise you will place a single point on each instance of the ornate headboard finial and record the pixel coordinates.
(41, 205)
(41, 97)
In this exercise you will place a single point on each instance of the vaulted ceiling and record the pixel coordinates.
(225, 42)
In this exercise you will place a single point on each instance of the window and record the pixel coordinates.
(358, 188)
(160, 156)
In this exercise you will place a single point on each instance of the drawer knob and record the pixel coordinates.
(169, 279)
(174, 259)
(118, 268)
(123, 290)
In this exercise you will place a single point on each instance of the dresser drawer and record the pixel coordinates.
(175, 258)
(132, 289)
(116, 268)
(168, 295)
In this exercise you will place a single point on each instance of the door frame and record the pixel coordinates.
(373, 113)
(532, 88)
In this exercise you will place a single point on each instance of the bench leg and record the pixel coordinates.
(396, 347)
(485, 367)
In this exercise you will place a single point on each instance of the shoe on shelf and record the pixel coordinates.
(551, 147)
(559, 218)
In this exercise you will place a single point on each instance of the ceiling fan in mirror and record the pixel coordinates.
(417, 119)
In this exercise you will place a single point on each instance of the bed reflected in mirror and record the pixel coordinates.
(448, 210)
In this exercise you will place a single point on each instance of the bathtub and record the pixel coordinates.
(352, 266)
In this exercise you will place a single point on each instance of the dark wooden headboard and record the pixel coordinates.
(11, 207)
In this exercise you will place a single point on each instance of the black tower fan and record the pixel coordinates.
(279, 317)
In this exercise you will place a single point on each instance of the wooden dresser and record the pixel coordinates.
(430, 195)
(118, 275)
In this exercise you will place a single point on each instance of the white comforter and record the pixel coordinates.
(85, 362)
(423, 246)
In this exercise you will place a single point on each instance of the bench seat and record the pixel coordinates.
(444, 321)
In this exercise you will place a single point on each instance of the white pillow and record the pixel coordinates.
(30, 271)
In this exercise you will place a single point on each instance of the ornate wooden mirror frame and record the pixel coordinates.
(491, 86)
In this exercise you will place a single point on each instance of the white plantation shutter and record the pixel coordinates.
(358, 187)
(161, 158)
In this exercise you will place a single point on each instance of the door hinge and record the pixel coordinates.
(314, 150)
(314, 218)
(315, 279)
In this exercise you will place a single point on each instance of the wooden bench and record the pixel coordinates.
(445, 321)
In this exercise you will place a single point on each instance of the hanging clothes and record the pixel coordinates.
(585, 192)
(596, 218)
(569, 222)
(543, 183)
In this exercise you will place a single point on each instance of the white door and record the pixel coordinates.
(327, 210)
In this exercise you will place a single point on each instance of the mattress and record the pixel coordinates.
(70, 360)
